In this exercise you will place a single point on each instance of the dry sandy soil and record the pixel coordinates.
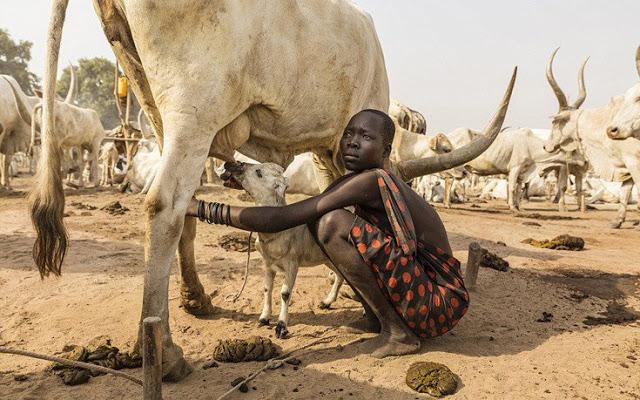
(499, 350)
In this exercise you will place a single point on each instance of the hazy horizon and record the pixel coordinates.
(451, 61)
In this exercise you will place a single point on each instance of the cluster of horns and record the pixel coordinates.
(582, 94)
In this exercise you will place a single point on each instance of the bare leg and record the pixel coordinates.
(194, 300)
(332, 232)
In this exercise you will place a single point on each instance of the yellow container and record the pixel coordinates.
(122, 86)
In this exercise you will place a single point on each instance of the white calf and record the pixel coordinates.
(284, 251)
(109, 158)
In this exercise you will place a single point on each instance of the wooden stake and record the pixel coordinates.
(473, 264)
(152, 358)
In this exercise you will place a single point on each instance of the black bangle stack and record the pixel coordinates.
(214, 213)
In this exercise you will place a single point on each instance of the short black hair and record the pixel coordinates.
(388, 127)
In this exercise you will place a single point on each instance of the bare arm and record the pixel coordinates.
(357, 189)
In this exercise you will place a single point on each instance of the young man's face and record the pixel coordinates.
(362, 144)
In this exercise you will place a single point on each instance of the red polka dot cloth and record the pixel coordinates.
(422, 282)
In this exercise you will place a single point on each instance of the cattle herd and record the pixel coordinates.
(287, 111)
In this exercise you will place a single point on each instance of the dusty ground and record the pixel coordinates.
(498, 350)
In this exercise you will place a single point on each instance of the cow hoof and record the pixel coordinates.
(174, 367)
(263, 322)
(281, 330)
(197, 304)
(324, 306)
(615, 224)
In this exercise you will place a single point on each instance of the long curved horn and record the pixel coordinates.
(23, 110)
(143, 126)
(562, 99)
(582, 93)
(638, 60)
(419, 167)
(73, 87)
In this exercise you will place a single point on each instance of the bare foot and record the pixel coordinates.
(362, 325)
(385, 345)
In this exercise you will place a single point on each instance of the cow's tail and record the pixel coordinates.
(47, 196)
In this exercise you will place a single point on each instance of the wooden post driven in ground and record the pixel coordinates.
(152, 359)
(473, 264)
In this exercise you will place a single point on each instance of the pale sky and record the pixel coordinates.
(451, 60)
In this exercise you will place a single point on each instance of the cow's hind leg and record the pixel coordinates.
(194, 300)
(178, 176)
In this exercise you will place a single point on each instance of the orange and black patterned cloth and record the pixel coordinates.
(422, 282)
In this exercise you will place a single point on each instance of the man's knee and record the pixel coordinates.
(331, 226)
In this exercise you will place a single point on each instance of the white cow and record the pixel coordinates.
(601, 191)
(109, 157)
(586, 130)
(143, 169)
(244, 98)
(519, 154)
(78, 127)
(15, 134)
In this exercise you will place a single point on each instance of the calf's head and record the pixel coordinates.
(264, 182)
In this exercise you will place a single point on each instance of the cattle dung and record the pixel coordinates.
(432, 378)
(238, 350)
(237, 241)
(562, 242)
(546, 217)
(115, 208)
(102, 354)
(490, 260)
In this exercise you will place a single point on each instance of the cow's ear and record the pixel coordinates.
(37, 92)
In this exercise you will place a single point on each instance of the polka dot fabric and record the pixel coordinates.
(423, 283)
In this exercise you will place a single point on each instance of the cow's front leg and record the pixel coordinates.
(290, 273)
(625, 196)
(563, 177)
(512, 191)
(580, 198)
(448, 183)
(194, 300)
(5, 164)
(269, 275)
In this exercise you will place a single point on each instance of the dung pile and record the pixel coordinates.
(432, 378)
(490, 260)
(102, 354)
(546, 217)
(244, 196)
(82, 206)
(562, 242)
(237, 241)
(238, 350)
(115, 208)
